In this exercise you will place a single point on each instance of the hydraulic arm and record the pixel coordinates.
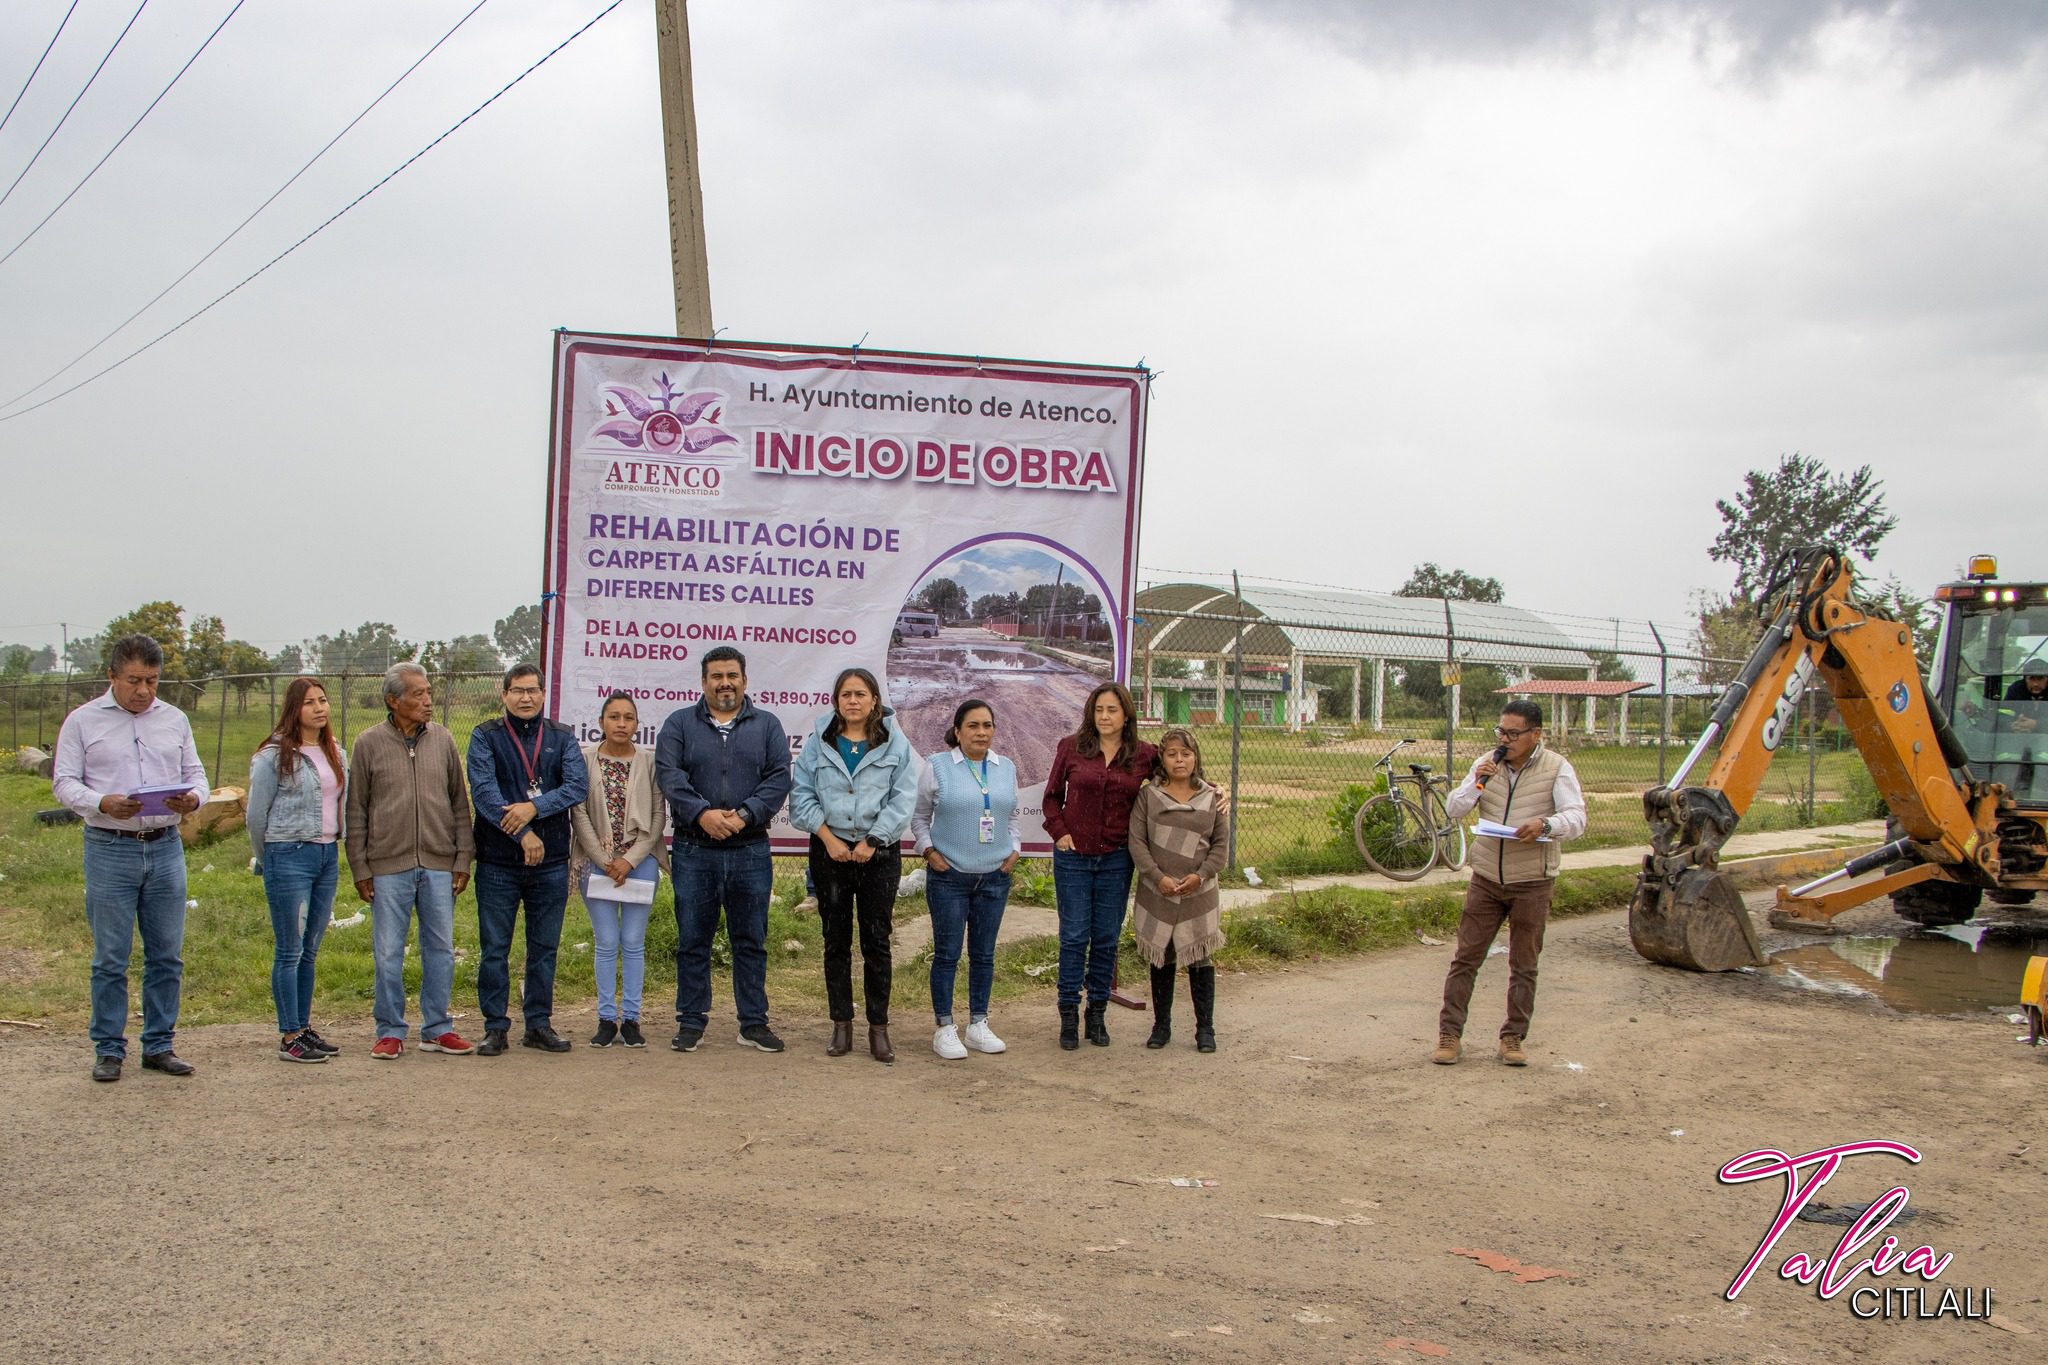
(1686, 913)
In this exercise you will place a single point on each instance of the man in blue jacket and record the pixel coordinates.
(723, 765)
(526, 774)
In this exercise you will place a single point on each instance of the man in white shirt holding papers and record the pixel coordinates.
(1529, 798)
(127, 763)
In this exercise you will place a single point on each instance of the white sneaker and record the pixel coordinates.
(982, 1038)
(946, 1042)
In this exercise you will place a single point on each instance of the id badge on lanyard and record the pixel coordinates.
(987, 830)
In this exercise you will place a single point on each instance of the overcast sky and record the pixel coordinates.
(1513, 286)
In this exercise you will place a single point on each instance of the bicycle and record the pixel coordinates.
(1402, 835)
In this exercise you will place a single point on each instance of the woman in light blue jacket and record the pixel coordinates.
(852, 790)
(298, 788)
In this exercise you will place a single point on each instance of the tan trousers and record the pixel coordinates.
(1526, 908)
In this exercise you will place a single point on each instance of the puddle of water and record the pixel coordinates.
(1962, 969)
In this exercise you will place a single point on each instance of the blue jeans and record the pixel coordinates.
(500, 890)
(739, 881)
(1091, 889)
(298, 881)
(130, 883)
(618, 934)
(393, 898)
(964, 905)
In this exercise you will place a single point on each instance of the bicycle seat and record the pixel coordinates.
(1418, 768)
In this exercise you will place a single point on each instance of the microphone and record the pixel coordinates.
(1500, 753)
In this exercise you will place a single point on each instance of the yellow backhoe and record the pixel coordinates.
(1968, 800)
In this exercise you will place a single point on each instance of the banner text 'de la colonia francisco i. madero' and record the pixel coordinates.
(799, 504)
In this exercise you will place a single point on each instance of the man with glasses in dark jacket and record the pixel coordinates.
(526, 774)
(723, 765)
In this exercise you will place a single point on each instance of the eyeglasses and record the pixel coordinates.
(522, 691)
(1511, 734)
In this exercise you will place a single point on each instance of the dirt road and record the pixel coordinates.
(729, 1205)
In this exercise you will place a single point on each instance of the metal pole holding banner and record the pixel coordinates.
(220, 730)
(1450, 697)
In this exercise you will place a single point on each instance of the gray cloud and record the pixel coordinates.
(1767, 35)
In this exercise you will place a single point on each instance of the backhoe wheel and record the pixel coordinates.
(2002, 897)
(1934, 904)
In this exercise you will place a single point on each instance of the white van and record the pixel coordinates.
(912, 624)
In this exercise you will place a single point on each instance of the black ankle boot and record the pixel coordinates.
(1202, 990)
(1070, 1027)
(1162, 1007)
(1098, 1032)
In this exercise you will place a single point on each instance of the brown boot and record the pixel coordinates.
(842, 1038)
(1511, 1051)
(1447, 1051)
(878, 1043)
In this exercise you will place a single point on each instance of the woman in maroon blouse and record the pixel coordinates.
(1096, 773)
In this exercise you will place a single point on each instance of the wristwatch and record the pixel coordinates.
(876, 844)
(1546, 827)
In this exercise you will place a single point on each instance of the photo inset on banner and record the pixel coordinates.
(1016, 621)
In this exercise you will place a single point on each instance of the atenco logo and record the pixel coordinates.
(1838, 1272)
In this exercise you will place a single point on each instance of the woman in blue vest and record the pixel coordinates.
(966, 829)
(851, 790)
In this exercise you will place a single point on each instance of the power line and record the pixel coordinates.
(38, 66)
(80, 357)
(158, 296)
(76, 98)
(124, 137)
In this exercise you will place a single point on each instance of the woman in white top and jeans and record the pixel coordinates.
(298, 784)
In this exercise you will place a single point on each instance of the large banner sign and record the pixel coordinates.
(959, 527)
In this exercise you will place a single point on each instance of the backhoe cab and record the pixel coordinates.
(1968, 800)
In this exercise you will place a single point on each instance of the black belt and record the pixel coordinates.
(140, 836)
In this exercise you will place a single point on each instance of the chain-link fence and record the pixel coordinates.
(1296, 696)
(232, 715)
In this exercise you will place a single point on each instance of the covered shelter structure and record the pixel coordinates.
(1290, 627)
(1561, 691)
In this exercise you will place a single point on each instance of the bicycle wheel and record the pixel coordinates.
(1450, 835)
(1393, 837)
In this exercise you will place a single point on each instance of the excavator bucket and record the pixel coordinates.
(1694, 920)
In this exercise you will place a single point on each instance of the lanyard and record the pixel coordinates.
(532, 765)
(980, 779)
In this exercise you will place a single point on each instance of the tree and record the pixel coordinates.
(206, 647)
(463, 654)
(1424, 682)
(1430, 581)
(290, 659)
(518, 635)
(1725, 632)
(1607, 667)
(45, 660)
(246, 666)
(163, 622)
(1798, 503)
(15, 661)
(944, 597)
(86, 654)
(370, 648)
(997, 606)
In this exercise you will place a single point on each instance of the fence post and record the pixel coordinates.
(1236, 708)
(1663, 698)
(1450, 696)
(273, 700)
(344, 705)
(220, 730)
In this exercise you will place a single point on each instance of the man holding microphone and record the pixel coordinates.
(1532, 790)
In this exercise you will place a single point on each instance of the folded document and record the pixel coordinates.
(1493, 829)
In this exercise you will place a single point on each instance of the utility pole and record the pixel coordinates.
(685, 188)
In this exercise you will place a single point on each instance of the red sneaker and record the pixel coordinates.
(450, 1041)
(386, 1050)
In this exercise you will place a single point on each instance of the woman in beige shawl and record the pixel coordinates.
(1179, 841)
